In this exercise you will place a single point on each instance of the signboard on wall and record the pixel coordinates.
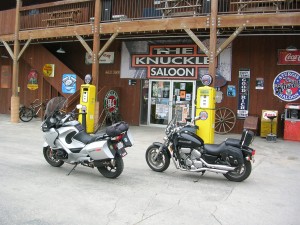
(169, 59)
(68, 83)
(286, 86)
(48, 70)
(111, 102)
(288, 57)
(243, 96)
(32, 80)
(106, 58)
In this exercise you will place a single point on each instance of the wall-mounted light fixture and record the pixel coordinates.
(3, 56)
(61, 50)
(291, 48)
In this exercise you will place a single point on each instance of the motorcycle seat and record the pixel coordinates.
(233, 142)
(85, 138)
(214, 149)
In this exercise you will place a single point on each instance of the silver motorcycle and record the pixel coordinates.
(67, 142)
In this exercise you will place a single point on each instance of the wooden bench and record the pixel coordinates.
(62, 17)
(170, 7)
(258, 5)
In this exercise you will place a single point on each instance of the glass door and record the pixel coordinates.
(170, 98)
(160, 102)
(183, 100)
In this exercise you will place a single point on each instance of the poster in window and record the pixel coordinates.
(5, 76)
(161, 111)
(188, 97)
(182, 86)
(182, 95)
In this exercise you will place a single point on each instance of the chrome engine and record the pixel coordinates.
(190, 158)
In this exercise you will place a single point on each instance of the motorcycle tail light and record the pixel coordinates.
(253, 152)
(119, 137)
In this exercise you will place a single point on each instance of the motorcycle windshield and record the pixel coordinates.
(55, 104)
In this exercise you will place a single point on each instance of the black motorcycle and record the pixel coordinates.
(232, 157)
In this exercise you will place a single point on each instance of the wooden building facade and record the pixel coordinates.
(255, 31)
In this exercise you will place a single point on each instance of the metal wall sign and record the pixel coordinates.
(243, 96)
(111, 102)
(170, 59)
(288, 57)
(286, 86)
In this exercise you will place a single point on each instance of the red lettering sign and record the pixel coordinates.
(288, 57)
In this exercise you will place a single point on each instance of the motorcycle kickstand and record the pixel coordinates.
(72, 169)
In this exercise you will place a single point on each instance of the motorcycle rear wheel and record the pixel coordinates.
(50, 158)
(161, 163)
(241, 173)
(111, 171)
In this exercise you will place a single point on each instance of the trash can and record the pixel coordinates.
(292, 122)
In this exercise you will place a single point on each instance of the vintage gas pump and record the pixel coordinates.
(205, 109)
(87, 100)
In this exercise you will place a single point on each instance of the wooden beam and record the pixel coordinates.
(85, 45)
(107, 44)
(230, 39)
(15, 98)
(24, 48)
(260, 20)
(96, 47)
(213, 41)
(197, 41)
(8, 48)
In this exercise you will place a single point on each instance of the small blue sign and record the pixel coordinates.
(69, 83)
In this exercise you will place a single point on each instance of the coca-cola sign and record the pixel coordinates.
(288, 57)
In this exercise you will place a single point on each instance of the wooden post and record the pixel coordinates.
(15, 99)
(96, 48)
(213, 41)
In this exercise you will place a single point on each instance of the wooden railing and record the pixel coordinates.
(64, 13)
(75, 12)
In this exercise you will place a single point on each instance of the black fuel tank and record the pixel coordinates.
(188, 139)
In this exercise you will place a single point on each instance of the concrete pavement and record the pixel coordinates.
(34, 193)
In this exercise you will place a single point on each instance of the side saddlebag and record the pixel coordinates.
(233, 155)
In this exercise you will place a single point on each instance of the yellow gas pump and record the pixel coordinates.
(87, 100)
(205, 109)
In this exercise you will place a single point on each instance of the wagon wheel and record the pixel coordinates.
(225, 120)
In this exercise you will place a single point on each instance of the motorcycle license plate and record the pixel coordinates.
(122, 152)
(121, 149)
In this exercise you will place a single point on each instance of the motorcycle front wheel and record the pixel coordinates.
(112, 171)
(50, 157)
(241, 173)
(162, 161)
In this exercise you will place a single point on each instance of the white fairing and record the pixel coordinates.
(50, 137)
(98, 150)
(64, 131)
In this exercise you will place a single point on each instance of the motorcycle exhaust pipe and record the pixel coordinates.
(207, 169)
(218, 167)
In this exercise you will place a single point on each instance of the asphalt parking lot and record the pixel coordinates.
(34, 193)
